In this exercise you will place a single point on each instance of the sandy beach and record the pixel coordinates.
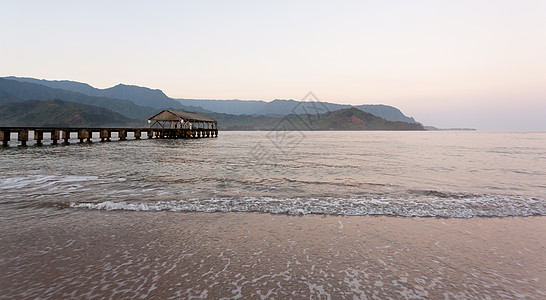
(112, 255)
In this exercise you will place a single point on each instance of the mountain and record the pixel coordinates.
(286, 107)
(61, 113)
(386, 112)
(78, 87)
(7, 98)
(64, 113)
(21, 91)
(234, 107)
(356, 119)
(345, 119)
(157, 99)
(141, 96)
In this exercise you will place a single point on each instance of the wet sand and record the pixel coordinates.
(89, 254)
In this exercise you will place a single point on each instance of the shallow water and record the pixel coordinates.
(163, 255)
(447, 174)
(323, 215)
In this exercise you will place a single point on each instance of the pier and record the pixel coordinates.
(56, 134)
(166, 124)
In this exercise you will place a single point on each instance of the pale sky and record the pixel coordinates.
(478, 64)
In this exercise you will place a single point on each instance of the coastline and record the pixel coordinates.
(111, 254)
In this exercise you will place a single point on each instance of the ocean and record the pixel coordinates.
(280, 214)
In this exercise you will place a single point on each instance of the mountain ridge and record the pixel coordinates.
(57, 112)
(65, 113)
(344, 119)
(286, 107)
(141, 96)
(155, 98)
(24, 91)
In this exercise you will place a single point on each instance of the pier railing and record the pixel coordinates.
(105, 134)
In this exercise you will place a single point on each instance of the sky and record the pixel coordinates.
(479, 63)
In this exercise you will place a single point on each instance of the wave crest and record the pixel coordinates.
(483, 206)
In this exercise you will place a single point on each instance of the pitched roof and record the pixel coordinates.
(173, 115)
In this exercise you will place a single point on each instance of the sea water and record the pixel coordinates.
(212, 217)
(434, 174)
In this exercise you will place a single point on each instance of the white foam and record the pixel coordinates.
(417, 207)
(35, 181)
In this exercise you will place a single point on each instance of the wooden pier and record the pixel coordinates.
(166, 124)
(56, 134)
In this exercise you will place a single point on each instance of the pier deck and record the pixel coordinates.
(105, 134)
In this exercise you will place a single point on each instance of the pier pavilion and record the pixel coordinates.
(172, 123)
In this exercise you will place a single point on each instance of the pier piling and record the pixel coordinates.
(83, 134)
(122, 134)
(38, 136)
(66, 136)
(55, 135)
(5, 137)
(86, 134)
(23, 136)
(105, 135)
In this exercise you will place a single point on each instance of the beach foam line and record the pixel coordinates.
(35, 181)
(421, 207)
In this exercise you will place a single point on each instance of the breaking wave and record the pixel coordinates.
(483, 206)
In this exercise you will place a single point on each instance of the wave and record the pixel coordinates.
(39, 181)
(482, 206)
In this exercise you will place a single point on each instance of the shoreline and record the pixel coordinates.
(85, 253)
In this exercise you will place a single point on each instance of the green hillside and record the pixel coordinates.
(22, 91)
(140, 96)
(7, 98)
(61, 113)
(345, 119)
(157, 99)
(356, 119)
